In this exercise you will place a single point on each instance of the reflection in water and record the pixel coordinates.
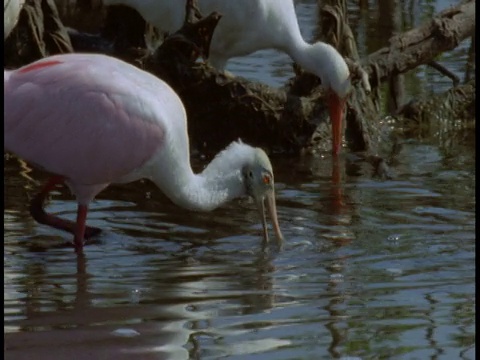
(369, 268)
(167, 297)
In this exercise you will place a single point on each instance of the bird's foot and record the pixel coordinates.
(91, 231)
(85, 242)
(62, 224)
(71, 243)
(84, 235)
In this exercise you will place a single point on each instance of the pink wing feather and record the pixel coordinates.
(92, 119)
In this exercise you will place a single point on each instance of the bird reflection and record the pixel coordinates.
(176, 303)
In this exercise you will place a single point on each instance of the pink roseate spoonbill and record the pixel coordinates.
(247, 26)
(91, 120)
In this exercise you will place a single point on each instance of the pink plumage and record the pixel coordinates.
(62, 115)
(92, 120)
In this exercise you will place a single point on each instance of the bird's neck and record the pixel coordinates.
(305, 55)
(220, 182)
(324, 61)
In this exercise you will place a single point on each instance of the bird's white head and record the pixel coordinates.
(259, 184)
(327, 63)
(247, 171)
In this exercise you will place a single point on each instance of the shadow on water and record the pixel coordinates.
(370, 268)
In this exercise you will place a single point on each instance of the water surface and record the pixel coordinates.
(371, 268)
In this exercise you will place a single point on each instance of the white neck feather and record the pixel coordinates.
(219, 182)
(324, 61)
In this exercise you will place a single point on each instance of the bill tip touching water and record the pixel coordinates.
(89, 131)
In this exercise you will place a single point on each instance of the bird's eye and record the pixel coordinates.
(266, 179)
(250, 174)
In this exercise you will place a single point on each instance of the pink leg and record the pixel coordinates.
(39, 214)
(80, 228)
